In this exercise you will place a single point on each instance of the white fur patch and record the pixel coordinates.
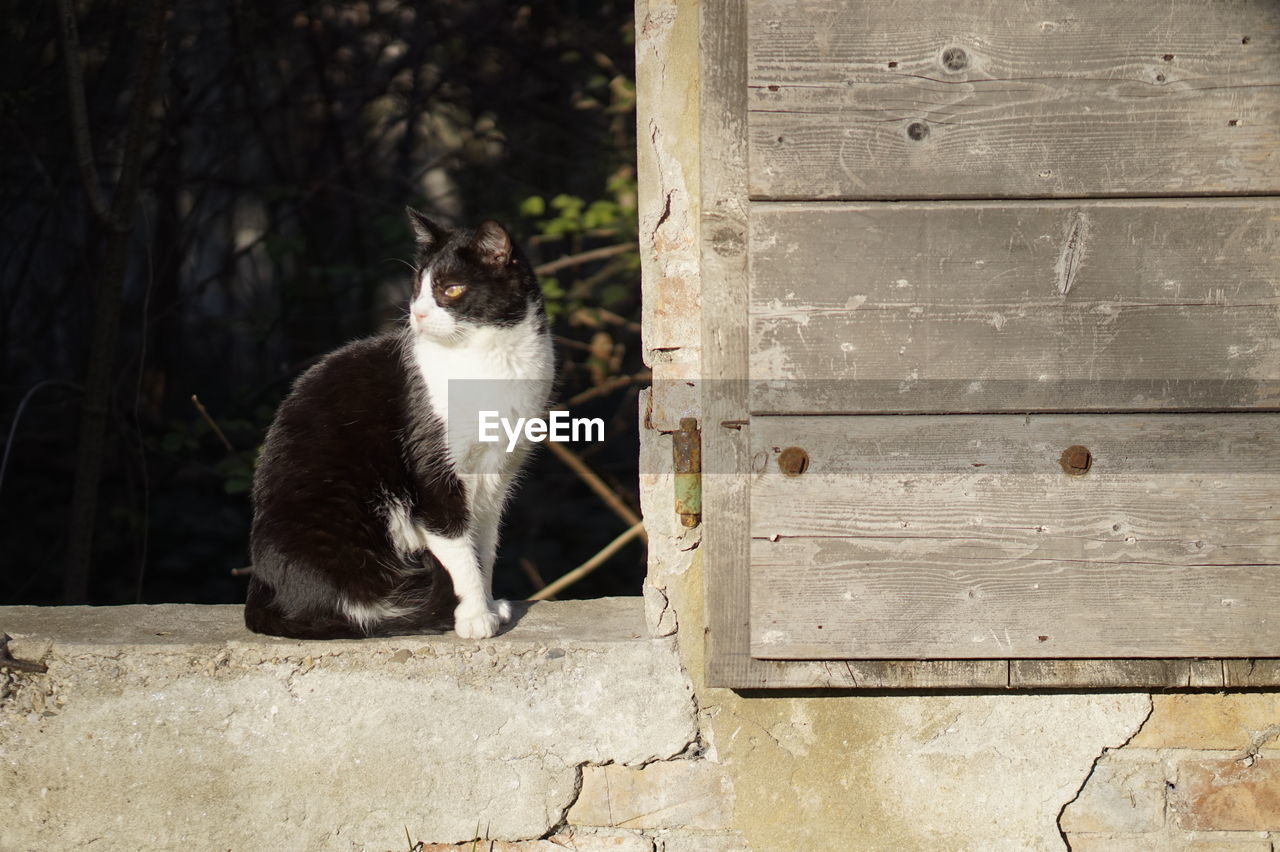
(476, 616)
(427, 317)
(406, 536)
(516, 362)
(505, 368)
(368, 615)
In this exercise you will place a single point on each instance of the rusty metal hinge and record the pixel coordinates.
(686, 451)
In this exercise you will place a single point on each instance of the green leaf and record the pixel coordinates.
(551, 288)
(614, 295)
(600, 214)
(533, 206)
(238, 485)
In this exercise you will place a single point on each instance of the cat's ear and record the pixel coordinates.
(492, 243)
(428, 234)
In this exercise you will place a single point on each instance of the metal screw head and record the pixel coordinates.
(793, 461)
(917, 130)
(1076, 460)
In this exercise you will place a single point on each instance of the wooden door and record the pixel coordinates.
(991, 332)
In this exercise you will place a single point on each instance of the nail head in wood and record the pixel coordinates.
(1076, 460)
(793, 461)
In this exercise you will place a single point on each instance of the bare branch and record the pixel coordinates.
(70, 37)
(106, 319)
(584, 257)
(596, 484)
(126, 198)
(607, 387)
(596, 317)
(531, 571)
(8, 662)
(590, 565)
(213, 424)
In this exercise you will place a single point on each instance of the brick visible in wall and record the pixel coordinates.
(1122, 795)
(1228, 795)
(692, 794)
(1212, 721)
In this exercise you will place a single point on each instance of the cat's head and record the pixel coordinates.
(469, 279)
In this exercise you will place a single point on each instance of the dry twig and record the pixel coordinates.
(583, 257)
(590, 565)
(605, 387)
(212, 424)
(596, 484)
(8, 662)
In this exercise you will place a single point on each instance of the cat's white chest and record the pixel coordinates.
(498, 372)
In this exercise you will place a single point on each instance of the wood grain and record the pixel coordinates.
(1109, 674)
(723, 273)
(1247, 673)
(1015, 306)
(1125, 305)
(931, 676)
(948, 537)
(874, 674)
(937, 99)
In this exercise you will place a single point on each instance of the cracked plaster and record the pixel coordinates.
(173, 727)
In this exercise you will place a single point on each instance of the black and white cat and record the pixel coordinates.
(376, 512)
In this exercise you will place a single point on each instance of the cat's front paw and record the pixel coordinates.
(475, 624)
(503, 609)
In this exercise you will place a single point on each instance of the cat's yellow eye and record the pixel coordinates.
(453, 291)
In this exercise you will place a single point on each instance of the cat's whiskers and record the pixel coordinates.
(401, 260)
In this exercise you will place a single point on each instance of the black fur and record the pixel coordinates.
(344, 441)
(499, 280)
(355, 433)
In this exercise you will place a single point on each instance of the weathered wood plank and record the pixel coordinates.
(1151, 674)
(874, 674)
(1246, 673)
(933, 99)
(848, 598)
(723, 273)
(1012, 674)
(1015, 306)
(962, 537)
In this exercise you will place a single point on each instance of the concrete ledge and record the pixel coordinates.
(174, 727)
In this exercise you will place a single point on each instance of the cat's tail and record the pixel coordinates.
(423, 604)
(261, 615)
(425, 599)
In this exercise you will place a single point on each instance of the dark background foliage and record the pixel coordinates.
(278, 152)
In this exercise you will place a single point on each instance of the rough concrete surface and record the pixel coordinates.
(1125, 794)
(673, 794)
(173, 727)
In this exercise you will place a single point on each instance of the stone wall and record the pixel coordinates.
(172, 727)
(1202, 773)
